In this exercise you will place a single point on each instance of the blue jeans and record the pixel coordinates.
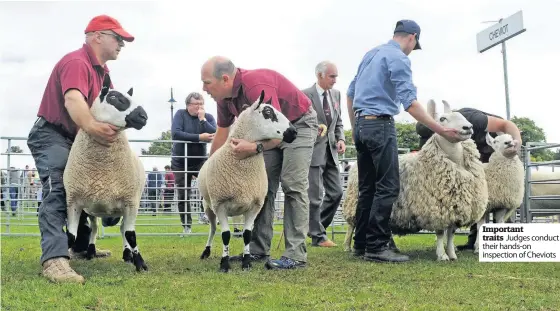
(378, 175)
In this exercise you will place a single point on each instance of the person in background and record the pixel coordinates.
(169, 190)
(197, 127)
(155, 181)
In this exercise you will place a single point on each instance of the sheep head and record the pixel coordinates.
(452, 119)
(261, 121)
(503, 144)
(119, 109)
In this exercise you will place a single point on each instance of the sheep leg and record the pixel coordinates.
(249, 218)
(450, 250)
(212, 220)
(440, 251)
(73, 220)
(500, 215)
(92, 238)
(131, 252)
(226, 235)
(348, 238)
(478, 226)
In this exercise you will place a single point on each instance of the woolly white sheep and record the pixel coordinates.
(505, 177)
(107, 180)
(232, 187)
(442, 187)
(350, 204)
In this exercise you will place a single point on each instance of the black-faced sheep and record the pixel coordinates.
(107, 180)
(231, 187)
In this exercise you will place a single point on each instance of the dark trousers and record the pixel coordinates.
(378, 175)
(180, 183)
(168, 195)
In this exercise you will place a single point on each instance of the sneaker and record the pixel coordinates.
(187, 230)
(284, 263)
(59, 270)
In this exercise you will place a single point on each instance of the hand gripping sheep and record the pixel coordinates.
(107, 180)
(232, 187)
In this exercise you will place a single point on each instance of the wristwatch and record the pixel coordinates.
(259, 148)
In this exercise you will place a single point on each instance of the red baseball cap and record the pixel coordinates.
(104, 22)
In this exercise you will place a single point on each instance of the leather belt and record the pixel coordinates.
(358, 114)
(42, 122)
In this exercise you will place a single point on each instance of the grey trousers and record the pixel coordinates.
(323, 208)
(289, 163)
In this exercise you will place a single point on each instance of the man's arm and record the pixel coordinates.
(177, 132)
(78, 109)
(209, 125)
(75, 82)
(416, 110)
(505, 126)
(339, 128)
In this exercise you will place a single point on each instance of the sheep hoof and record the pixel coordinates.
(224, 264)
(127, 255)
(139, 262)
(205, 253)
(90, 251)
(443, 257)
(246, 263)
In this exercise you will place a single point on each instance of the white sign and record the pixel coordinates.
(534, 242)
(506, 29)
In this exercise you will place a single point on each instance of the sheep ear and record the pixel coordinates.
(261, 99)
(431, 108)
(489, 139)
(129, 92)
(103, 93)
(446, 107)
(499, 133)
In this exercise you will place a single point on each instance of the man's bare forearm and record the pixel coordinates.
(417, 112)
(78, 109)
(349, 104)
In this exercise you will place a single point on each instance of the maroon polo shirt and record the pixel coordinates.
(79, 70)
(247, 87)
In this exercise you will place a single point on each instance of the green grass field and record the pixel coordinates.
(178, 280)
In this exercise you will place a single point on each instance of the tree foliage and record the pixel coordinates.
(158, 147)
(533, 133)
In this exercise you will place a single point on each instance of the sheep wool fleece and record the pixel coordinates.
(506, 183)
(351, 199)
(436, 192)
(113, 176)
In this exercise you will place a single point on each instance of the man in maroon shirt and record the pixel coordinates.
(75, 82)
(235, 89)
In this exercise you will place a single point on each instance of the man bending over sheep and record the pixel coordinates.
(75, 82)
(482, 122)
(234, 90)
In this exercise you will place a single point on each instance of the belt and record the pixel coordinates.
(358, 114)
(42, 122)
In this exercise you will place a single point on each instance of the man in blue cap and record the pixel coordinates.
(383, 82)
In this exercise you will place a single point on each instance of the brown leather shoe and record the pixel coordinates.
(58, 270)
(327, 243)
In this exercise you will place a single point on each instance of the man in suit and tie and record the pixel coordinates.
(324, 172)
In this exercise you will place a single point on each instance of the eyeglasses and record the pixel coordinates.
(119, 38)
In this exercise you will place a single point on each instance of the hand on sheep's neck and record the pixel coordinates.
(453, 150)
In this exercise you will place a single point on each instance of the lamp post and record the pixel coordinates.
(171, 101)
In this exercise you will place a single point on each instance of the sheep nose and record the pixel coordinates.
(467, 127)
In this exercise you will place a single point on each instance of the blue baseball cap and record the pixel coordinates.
(411, 27)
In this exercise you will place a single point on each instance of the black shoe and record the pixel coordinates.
(464, 247)
(393, 246)
(253, 257)
(387, 255)
(358, 252)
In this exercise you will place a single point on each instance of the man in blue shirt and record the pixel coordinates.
(197, 127)
(382, 83)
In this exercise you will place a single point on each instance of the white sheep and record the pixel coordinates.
(232, 187)
(550, 188)
(350, 204)
(505, 178)
(442, 187)
(107, 180)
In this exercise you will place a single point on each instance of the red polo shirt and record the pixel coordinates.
(247, 87)
(79, 70)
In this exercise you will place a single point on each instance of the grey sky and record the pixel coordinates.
(173, 41)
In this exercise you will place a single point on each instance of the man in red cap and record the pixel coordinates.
(75, 82)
